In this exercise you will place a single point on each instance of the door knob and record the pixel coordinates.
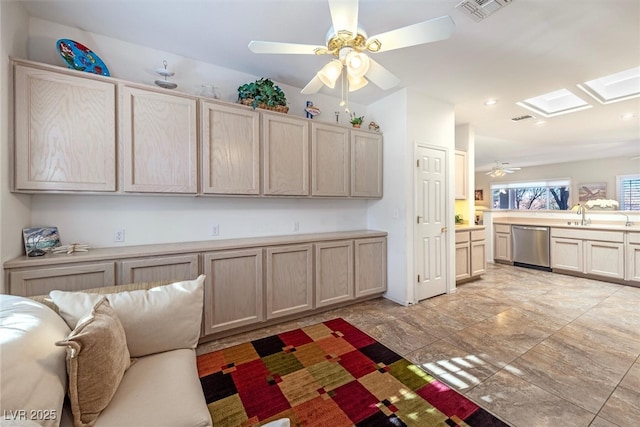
(443, 230)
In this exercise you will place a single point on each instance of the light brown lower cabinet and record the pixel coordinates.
(289, 272)
(334, 272)
(370, 266)
(249, 282)
(156, 269)
(233, 289)
(65, 278)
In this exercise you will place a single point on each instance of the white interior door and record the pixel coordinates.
(431, 222)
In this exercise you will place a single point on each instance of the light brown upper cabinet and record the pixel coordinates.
(330, 167)
(159, 142)
(366, 164)
(286, 155)
(65, 132)
(230, 149)
(461, 175)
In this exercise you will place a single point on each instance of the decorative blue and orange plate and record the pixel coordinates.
(81, 58)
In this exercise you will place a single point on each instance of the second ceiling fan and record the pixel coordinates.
(349, 44)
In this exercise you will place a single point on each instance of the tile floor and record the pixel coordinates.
(532, 347)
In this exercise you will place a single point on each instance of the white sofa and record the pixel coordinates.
(160, 388)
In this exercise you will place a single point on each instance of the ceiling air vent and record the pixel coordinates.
(480, 9)
(525, 117)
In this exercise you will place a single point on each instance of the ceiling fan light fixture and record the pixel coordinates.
(330, 72)
(357, 64)
(356, 83)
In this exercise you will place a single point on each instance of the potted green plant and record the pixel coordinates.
(356, 121)
(263, 93)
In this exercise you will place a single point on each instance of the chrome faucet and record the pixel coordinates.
(627, 223)
(582, 210)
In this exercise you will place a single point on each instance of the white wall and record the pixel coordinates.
(393, 211)
(582, 172)
(407, 117)
(162, 219)
(14, 209)
(151, 219)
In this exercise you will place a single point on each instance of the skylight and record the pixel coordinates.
(555, 103)
(615, 87)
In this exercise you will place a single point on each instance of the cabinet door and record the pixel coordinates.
(463, 261)
(566, 254)
(230, 149)
(604, 259)
(366, 164)
(159, 269)
(65, 132)
(478, 258)
(159, 142)
(370, 266)
(502, 246)
(330, 167)
(334, 272)
(286, 155)
(461, 175)
(233, 289)
(68, 278)
(289, 280)
(633, 262)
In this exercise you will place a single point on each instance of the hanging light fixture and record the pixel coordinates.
(330, 73)
(357, 63)
(356, 83)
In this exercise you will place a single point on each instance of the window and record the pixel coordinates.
(538, 195)
(629, 192)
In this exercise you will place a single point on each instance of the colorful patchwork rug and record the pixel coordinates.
(328, 375)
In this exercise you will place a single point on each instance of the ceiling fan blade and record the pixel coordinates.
(313, 86)
(420, 33)
(286, 48)
(344, 15)
(380, 76)
(507, 170)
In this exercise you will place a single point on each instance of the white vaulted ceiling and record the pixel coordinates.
(529, 48)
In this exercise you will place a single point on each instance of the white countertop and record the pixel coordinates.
(564, 223)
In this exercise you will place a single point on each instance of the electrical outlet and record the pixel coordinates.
(296, 226)
(215, 230)
(118, 235)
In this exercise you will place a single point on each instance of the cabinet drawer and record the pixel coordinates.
(68, 278)
(502, 228)
(478, 235)
(462, 236)
(633, 237)
(585, 234)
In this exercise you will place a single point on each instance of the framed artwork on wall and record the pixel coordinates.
(479, 195)
(40, 240)
(593, 191)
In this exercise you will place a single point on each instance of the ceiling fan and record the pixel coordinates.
(349, 44)
(501, 170)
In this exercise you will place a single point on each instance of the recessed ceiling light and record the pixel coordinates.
(614, 87)
(490, 102)
(628, 116)
(555, 103)
(540, 123)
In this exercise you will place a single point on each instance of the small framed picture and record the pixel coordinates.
(479, 195)
(40, 240)
(592, 191)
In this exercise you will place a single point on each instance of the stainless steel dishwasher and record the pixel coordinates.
(530, 246)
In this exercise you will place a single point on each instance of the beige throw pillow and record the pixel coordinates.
(159, 319)
(97, 357)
